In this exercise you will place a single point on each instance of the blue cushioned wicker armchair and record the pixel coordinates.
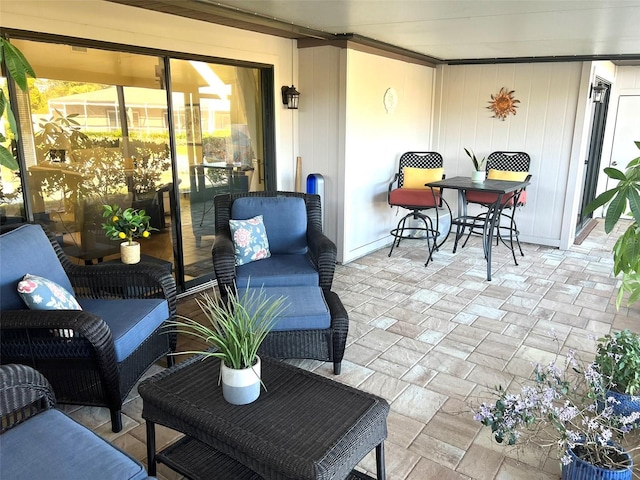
(300, 253)
(300, 265)
(39, 441)
(93, 355)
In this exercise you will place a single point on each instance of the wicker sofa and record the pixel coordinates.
(92, 356)
(39, 441)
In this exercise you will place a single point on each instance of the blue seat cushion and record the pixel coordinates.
(278, 270)
(53, 446)
(131, 321)
(306, 308)
(23, 250)
(285, 221)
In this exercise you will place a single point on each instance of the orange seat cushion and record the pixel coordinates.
(414, 197)
(486, 198)
(507, 200)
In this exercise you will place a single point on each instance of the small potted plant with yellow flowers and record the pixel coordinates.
(126, 225)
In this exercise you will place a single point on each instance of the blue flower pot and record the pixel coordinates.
(578, 469)
(628, 404)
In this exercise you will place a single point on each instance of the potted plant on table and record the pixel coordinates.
(618, 360)
(623, 198)
(235, 329)
(478, 174)
(565, 407)
(126, 225)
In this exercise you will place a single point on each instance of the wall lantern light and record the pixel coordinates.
(290, 97)
(597, 92)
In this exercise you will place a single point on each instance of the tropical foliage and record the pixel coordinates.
(621, 199)
(19, 69)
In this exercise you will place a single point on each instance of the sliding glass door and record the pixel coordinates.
(217, 117)
(101, 126)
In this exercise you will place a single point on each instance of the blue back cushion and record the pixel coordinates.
(285, 221)
(23, 250)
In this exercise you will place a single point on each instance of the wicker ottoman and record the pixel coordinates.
(303, 427)
(307, 303)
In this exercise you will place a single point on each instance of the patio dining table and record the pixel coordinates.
(463, 220)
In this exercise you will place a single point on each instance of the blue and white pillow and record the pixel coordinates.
(249, 240)
(42, 294)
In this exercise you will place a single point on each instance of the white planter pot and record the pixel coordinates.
(240, 387)
(130, 254)
(478, 176)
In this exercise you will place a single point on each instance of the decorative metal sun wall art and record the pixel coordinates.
(503, 103)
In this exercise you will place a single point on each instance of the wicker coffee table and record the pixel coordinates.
(305, 427)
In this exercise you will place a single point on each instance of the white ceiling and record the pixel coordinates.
(470, 29)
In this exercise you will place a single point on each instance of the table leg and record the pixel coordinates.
(380, 462)
(151, 448)
(462, 214)
(492, 215)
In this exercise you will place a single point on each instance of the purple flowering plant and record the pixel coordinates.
(565, 407)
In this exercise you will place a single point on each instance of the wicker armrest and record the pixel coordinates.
(224, 260)
(323, 253)
(34, 332)
(23, 393)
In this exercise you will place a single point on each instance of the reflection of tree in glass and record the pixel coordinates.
(150, 161)
(59, 133)
(102, 172)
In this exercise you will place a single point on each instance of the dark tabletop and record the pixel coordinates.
(489, 186)
(304, 426)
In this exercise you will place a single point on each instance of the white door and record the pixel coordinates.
(626, 132)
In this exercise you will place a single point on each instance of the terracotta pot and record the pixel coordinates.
(130, 254)
(240, 387)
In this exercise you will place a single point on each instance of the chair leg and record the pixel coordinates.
(337, 366)
(171, 361)
(116, 420)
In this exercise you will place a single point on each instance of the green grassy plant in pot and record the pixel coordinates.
(618, 361)
(478, 174)
(126, 225)
(558, 408)
(623, 198)
(235, 329)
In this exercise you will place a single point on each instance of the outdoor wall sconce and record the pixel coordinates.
(290, 97)
(597, 92)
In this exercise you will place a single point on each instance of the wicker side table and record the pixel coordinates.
(304, 427)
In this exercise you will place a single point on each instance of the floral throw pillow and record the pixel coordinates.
(249, 240)
(42, 294)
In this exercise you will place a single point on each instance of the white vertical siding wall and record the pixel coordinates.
(375, 139)
(347, 135)
(543, 127)
(322, 87)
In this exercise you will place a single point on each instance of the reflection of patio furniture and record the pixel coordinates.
(303, 427)
(208, 180)
(93, 244)
(92, 356)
